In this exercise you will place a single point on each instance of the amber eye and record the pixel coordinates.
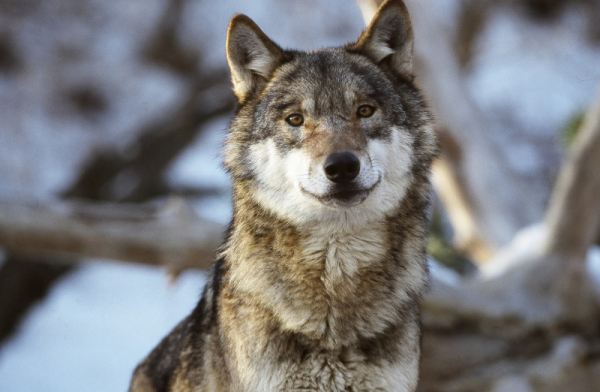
(295, 120)
(365, 111)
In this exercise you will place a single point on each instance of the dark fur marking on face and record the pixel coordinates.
(284, 104)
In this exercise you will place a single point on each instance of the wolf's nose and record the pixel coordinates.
(342, 167)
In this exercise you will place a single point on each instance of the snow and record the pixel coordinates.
(94, 327)
(216, 208)
(533, 78)
(525, 245)
(66, 47)
(593, 265)
(201, 165)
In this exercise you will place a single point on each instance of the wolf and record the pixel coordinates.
(316, 286)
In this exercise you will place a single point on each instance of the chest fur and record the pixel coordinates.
(297, 301)
(323, 372)
(341, 257)
(333, 287)
(336, 371)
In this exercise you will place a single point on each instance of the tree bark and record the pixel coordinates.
(172, 236)
(573, 216)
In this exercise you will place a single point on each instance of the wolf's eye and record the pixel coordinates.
(365, 111)
(295, 120)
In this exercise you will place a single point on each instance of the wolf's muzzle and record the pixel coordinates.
(342, 167)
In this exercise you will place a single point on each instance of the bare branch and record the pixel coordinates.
(172, 236)
(573, 216)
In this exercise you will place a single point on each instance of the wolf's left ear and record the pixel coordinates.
(388, 40)
(251, 55)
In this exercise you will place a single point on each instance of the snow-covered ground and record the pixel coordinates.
(94, 327)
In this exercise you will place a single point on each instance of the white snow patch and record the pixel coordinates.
(442, 273)
(94, 327)
(593, 265)
(525, 245)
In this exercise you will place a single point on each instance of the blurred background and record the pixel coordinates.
(113, 199)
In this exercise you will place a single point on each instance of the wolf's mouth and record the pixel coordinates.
(347, 195)
(342, 197)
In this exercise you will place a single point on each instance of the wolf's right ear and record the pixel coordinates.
(388, 40)
(251, 55)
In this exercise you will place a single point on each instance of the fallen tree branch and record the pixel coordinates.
(171, 236)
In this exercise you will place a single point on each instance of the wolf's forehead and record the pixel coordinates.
(324, 78)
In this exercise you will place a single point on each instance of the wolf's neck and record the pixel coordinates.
(331, 286)
(341, 255)
(333, 250)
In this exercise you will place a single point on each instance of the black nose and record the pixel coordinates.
(342, 167)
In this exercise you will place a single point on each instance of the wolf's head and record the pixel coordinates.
(328, 134)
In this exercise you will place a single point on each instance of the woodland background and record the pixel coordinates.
(112, 199)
